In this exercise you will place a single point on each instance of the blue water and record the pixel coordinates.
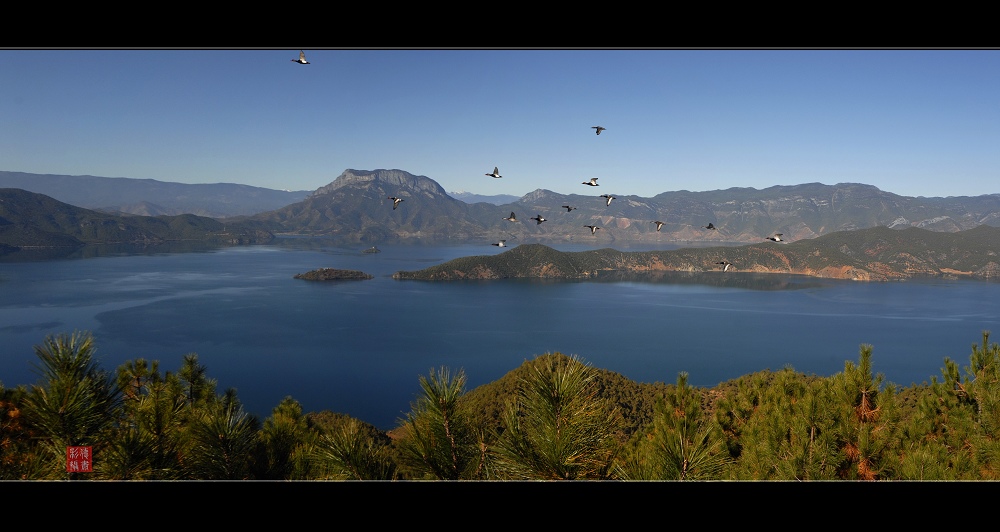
(359, 347)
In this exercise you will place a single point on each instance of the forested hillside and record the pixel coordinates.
(554, 418)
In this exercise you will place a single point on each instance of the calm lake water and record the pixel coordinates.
(359, 347)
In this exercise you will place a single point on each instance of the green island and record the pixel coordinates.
(554, 418)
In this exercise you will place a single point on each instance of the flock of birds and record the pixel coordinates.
(592, 182)
(723, 265)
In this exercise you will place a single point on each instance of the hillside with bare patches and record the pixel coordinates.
(875, 254)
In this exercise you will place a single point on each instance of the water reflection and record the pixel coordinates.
(747, 280)
(108, 250)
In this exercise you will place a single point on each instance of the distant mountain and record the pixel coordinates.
(149, 197)
(469, 197)
(355, 206)
(32, 220)
(873, 254)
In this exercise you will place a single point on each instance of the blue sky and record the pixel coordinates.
(911, 122)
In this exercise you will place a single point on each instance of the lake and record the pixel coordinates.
(359, 347)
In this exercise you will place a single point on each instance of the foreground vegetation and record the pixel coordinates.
(554, 418)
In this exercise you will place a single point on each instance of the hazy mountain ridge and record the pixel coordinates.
(32, 220)
(497, 199)
(873, 254)
(152, 197)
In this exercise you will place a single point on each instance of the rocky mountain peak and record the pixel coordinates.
(539, 195)
(389, 178)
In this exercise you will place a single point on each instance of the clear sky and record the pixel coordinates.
(911, 122)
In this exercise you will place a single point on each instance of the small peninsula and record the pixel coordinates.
(333, 274)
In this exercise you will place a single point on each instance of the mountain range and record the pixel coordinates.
(355, 208)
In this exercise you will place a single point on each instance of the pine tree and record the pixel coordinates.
(953, 436)
(683, 445)
(437, 440)
(75, 405)
(783, 426)
(147, 439)
(20, 457)
(558, 428)
(284, 437)
(349, 452)
(223, 444)
(867, 421)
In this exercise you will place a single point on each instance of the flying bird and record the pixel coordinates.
(659, 224)
(598, 128)
(301, 60)
(711, 227)
(775, 238)
(593, 229)
(511, 218)
(501, 243)
(724, 265)
(568, 208)
(592, 182)
(395, 202)
(609, 196)
(496, 172)
(538, 219)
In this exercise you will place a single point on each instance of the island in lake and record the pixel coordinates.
(333, 274)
